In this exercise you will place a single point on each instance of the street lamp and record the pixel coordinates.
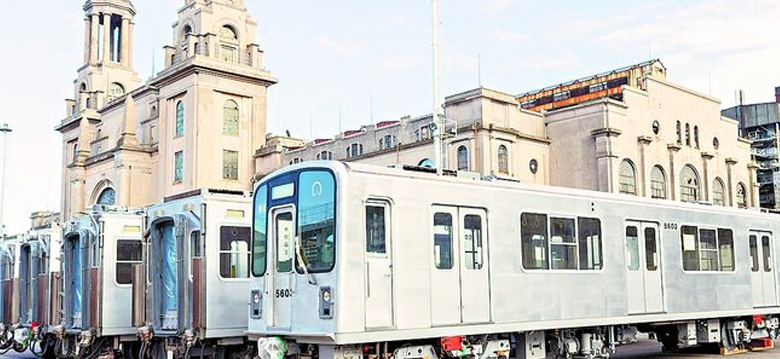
(5, 130)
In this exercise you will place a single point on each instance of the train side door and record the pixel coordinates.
(378, 266)
(283, 250)
(762, 271)
(643, 264)
(474, 278)
(460, 264)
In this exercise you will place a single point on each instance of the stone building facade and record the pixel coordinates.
(625, 131)
(196, 124)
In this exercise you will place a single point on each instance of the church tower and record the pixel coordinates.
(107, 73)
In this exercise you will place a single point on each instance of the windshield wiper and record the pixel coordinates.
(303, 264)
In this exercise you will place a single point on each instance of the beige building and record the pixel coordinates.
(624, 131)
(197, 124)
(487, 134)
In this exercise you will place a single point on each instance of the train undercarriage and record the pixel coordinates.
(731, 335)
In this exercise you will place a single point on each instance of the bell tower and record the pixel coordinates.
(107, 73)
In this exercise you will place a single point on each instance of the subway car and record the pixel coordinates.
(356, 261)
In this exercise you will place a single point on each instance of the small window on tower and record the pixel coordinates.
(227, 33)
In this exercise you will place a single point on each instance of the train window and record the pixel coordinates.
(651, 249)
(442, 240)
(632, 248)
(195, 250)
(754, 254)
(690, 248)
(472, 242)
(708, 250)
(317, 221)
(767, 252)
(533, 237)
(128, 253)
(284, 242)
(260, 224)
(563, 246)
(726, 249)
(375, 229)
(234, 252)
(589, 231)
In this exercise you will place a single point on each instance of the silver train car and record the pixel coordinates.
(99, 251)
(39, 288)
(192, 289)
(354, 261)
(9, 292)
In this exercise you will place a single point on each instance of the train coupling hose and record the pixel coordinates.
(87, 337)
(145, 334)
(60, 332)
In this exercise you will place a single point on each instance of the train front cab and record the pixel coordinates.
(294, 273)
(99, 251)
(196, 278)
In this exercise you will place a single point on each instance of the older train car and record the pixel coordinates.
(366, 262)
(99, 250)
(197, 276)
(9, 292)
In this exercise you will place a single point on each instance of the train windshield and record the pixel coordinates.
(313, 193)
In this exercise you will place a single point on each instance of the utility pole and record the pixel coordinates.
(5, 130)
(438, 103)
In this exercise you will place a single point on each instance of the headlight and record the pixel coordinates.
(256, 298)
(326, 296)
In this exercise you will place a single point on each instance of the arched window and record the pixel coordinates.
(426, 162)
(387, 142)
(230, 118)
(718, 193)
(688, 135)
(179, 131)
(354, 150)
(696, 136)
(107, 197)
(503, 160)
(679, 133)
(325, 156)
(463, 158)
(658, 183)
(627, 178)
(741, 195)
(690, 189)
(227, 33)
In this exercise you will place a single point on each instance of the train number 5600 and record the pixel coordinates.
(284, 293)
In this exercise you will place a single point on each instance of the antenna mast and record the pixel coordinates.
(438, 103)
(4, 132)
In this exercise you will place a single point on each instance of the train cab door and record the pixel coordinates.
(283, 252)
(460, 264)
(762, 271)
(378, 266)
(643, 263)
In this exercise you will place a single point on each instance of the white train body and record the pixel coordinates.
(399, 256)
(197, 256)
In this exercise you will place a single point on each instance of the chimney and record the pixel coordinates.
(777, 94)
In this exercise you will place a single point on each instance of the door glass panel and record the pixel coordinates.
(234, 252)
(767, 252)
(709, 250)
(690, 248)
(375, 230)
(590, 243)
(284, 242)
(651, 249)
(472, 242)
(754, 259)
(442, 240)
(632, 248)
(563, 245)
(726, 249)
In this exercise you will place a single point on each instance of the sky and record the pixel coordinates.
(345, 63)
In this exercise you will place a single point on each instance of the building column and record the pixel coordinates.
(129, 47)
(730, 162)
(673, 148)
(705, 157)
(106, 38)
(87, 29)
(123, 42)
(605, 158)
(643, 141)
(93, 44)
(752, 169)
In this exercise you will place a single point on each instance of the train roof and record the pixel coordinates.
(350, 168)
